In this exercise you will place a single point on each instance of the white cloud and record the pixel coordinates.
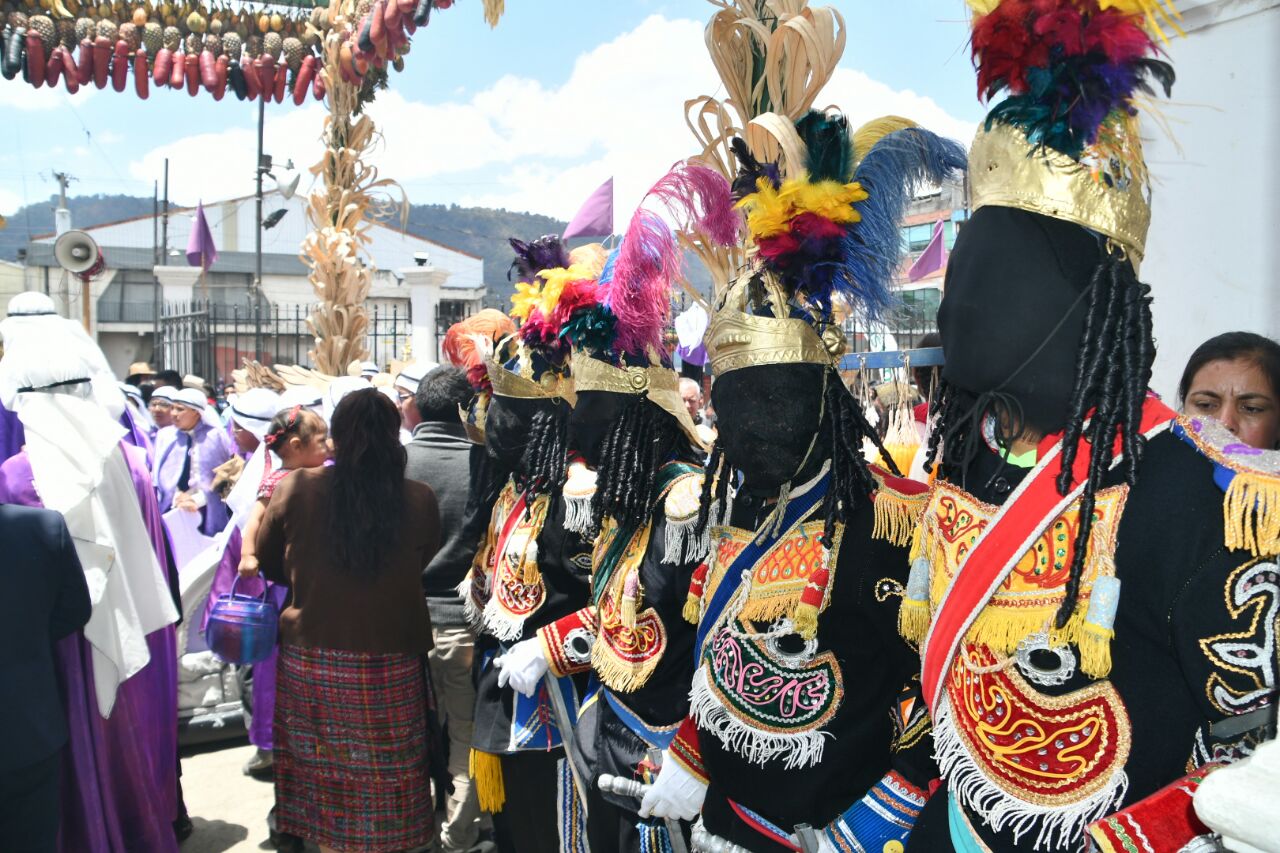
(10, 202)
(17, 95)
(522, 145)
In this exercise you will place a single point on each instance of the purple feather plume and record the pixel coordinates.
(546, 252)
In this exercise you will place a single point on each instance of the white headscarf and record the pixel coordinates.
(79, 470)
(339, 388)
(32, 318)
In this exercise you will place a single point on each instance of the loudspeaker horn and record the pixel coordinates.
(76, 252)
(288, 190)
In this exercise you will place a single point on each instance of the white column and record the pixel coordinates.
(425, 285)
(177, 285)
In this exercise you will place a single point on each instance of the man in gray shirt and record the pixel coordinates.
(441, 455)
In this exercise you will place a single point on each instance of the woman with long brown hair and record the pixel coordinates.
(350, 541)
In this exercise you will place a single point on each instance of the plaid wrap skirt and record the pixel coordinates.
(351, 749)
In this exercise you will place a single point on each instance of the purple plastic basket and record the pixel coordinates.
(242, 628)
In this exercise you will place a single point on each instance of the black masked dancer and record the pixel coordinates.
(798, 672)
(530, 570)
(1096, 617)
(634, 432)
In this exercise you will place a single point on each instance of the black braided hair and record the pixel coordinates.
(1113, 371)
(715, 488)
(641, 439)
(545, 461)
(851, 479)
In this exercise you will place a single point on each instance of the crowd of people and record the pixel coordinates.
(567, 591)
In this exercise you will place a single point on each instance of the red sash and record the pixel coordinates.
(1026, 513)
(508, 525)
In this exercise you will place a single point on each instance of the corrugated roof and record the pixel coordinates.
(136, 258)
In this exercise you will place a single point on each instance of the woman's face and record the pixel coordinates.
(1237, 393)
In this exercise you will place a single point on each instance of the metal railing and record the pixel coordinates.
(211, 340)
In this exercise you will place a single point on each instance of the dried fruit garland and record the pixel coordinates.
(269, 53)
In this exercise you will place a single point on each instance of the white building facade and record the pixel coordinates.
(419, 288)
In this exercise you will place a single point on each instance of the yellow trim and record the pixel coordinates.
(485, 769)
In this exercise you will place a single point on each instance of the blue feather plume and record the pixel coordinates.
(891, 173)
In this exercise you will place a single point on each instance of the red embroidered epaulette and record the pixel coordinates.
(684, 749)
(1166, 820)
(899, 504)
(567, 642)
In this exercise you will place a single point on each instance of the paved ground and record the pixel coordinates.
(229, 809)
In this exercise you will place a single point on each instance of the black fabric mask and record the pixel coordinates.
(1013, 310)
(593, 417)
(766, 418)
(507, 428)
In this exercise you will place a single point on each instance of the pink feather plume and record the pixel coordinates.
(700, 203)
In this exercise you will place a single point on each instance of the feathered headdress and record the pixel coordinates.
(617, 338)
(540, 365)
(830, 229)
(1072, 73)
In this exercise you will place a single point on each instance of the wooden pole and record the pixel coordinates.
(85, 290)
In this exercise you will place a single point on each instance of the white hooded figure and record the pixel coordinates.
(33, 317)
(79, 469)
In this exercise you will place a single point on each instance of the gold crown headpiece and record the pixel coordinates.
(1077, 158)
(522, 384)
(736, 338)
(658, 383)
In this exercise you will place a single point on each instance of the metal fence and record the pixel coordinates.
(211, 339)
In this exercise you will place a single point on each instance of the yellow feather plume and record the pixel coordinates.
(525, 299)
(865, 137)
(770, 211)
(767, 214)
(828, 199)
(554, 281)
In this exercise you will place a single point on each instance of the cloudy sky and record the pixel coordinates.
(530, 116)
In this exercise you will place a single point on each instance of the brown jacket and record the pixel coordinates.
(333, 609)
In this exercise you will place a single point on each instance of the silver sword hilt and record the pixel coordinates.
(611, 784)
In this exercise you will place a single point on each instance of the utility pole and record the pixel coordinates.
(62, 216)
(263, 166)
(161, 260)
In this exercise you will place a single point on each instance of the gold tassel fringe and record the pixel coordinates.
(1094, 642)
(692, 609)
(913, 620)
(486, 770)
(805, 620)
(896, 517)
(1251, 513)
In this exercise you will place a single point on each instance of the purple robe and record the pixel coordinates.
(119, 775)
(209, 447)
(138, 435)
(12, 435)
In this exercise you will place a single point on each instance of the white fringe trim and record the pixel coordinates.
(577, 514)
(499, 623)
(798, 749)
(1059, 826)
(683, 545)
(471, 609)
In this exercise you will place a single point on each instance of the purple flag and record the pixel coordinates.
(932, 258)
(595, 217)
(201, 252)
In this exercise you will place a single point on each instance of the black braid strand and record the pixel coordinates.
(1111, 383)
(546, 455)
(640, 441)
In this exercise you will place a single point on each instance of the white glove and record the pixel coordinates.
(522, 667)
(676, 793)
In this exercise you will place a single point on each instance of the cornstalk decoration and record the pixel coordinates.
(342, 211)
(773, 58)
